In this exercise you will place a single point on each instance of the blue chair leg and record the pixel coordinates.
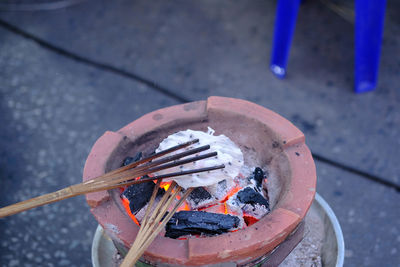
(285, 23)
(370, 15)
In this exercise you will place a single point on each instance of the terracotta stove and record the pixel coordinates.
(265, 138)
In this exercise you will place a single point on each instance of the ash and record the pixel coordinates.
(243, 197)
(117, 259)
(308, 251)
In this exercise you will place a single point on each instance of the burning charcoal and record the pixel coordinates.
(129, 160)
(142, 212)
(221, 189)
(249, 196)
(251, 202)
(200, 198)
(200, 223)
(256, 211)
(222, 208)
(255, 204)
(139, 194)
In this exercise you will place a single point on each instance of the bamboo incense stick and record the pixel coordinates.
(154, 156)
(150, 205)
(140, 171)
(160, 211)
(153, 224)
(146, 168)
(117, 179)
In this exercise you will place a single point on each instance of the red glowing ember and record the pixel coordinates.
(125, 202)
(203, 201)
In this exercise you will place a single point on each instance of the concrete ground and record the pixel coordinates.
(68, 75)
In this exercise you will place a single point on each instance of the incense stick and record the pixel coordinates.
(121, 177)
(154, 156)
(153, 223)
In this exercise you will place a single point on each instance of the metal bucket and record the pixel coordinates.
(333, 247)
(103, 249)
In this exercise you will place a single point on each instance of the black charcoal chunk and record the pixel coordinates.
(200, 198)
(250, 196)
(200, 223)
(139, 194)
(129, 160)
(258, 176)
(199, 194)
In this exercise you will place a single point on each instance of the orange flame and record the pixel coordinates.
(125, 202)
(222, 207)
(231, 193)
(184, 206)
(218, 208)
(165, 185)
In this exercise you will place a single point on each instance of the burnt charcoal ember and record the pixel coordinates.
(200, 198)
(129, 160)
(199, 194)
(200, 223)
(258, 176)
(219, 190)
(142, 212)
(251, 202)
(249, 196)
(255, 210)
(139, 194)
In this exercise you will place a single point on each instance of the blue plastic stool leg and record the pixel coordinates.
(370, 15)
(285, 23)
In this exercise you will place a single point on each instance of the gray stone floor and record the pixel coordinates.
(66, 76)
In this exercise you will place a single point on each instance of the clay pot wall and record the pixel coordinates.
(266, 139)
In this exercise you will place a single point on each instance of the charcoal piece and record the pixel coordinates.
(259, 176)
(200, 223)
(221, 189)
(200, 198)
(256, 211)
(139, 194)
(129, 160)
(199, 194)
(250, 196)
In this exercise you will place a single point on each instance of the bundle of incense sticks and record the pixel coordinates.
(124, 176)
(154, 220)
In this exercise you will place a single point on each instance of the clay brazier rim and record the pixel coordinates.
(289, 211)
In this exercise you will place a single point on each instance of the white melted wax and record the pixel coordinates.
(229, 154)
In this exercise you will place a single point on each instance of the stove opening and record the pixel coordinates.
(224, 207)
